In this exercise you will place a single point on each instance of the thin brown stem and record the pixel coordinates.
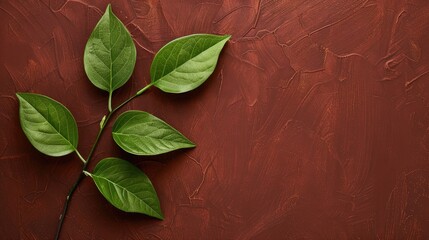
(103, 125)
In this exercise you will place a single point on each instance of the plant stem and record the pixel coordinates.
(91, 153)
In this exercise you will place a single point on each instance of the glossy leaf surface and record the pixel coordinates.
(185, 63)
(110, 53)
(141, 133)
(126, 187)
(48, 125)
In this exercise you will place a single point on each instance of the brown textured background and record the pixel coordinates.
(315, 124)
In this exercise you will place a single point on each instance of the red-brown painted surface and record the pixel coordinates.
(315, 124)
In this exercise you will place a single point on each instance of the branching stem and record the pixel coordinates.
(91, 153)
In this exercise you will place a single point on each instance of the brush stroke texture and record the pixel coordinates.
(315, 124)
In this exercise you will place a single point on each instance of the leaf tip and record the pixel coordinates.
(21, 95)
(109, 8)
(159, 216)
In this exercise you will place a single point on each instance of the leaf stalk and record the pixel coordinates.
(110, 102)
(80, 156)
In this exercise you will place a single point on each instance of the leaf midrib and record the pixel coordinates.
(159, 139)
(110, 50)
(110, 181)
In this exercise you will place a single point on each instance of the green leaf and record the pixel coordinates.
(185, 63)
(126, 187)
(48, 125)
(110, 53)
(141, 133)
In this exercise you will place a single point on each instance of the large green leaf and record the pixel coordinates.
(126, 187)
(48, 125)
(142, 133)
(110, 53)
(185, 63)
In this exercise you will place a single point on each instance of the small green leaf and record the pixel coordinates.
(48, 125)
(185, 63)
(141, 133)
(126, 187)
(110, 53)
